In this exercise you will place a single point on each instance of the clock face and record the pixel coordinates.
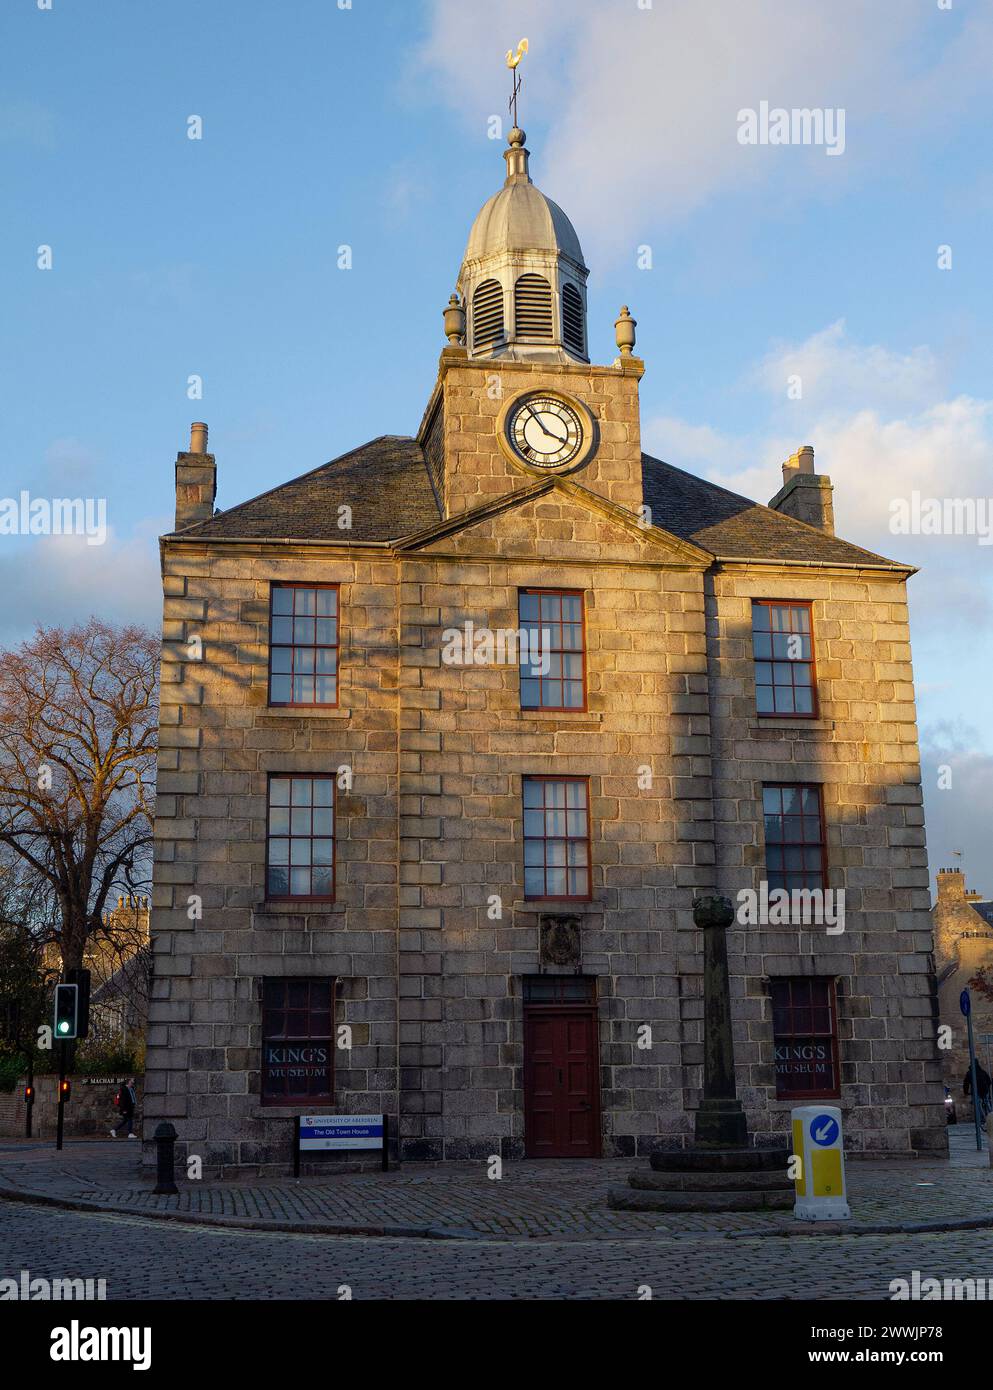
(544, 431)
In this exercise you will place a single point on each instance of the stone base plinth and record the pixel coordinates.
(708, 1180)
(698, 1160)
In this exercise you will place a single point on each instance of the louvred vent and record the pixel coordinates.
(533, 308)
(487, 314)
(572, 320)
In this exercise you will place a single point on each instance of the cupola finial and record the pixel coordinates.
(517, 155)
(513, 61)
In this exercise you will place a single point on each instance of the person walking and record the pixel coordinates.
(984, 1089)
(126, 1101)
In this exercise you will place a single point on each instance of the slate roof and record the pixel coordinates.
(728, 525)
(386, 483)
(985, 911)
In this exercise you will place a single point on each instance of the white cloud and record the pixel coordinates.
(60, 580)
(957, 816)
(840, 375)
(911, 441)
(643, 103)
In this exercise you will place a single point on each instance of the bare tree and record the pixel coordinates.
(78, 721)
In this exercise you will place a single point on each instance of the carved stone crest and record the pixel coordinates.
(560, 941)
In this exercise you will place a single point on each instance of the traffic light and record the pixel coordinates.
(66, 1012)
(65, 1088)
(28, 1095)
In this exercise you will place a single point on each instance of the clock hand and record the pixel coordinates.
(551, 434)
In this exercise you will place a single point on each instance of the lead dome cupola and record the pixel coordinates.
(523, 277)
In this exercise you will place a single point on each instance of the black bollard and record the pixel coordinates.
(165, 1158)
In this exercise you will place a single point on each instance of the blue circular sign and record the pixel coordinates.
(965, 1003)
(824, 1130)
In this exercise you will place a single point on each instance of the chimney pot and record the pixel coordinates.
(196, 480)
(805, 495)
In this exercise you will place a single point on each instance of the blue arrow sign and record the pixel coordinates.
(824, 1130)
(965, 1003)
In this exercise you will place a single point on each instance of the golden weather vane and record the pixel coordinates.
(513, 59)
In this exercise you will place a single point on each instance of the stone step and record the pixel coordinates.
(632, 1199)
(719, 1160)
(763, 1181)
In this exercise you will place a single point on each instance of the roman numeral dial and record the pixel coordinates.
(544, 431)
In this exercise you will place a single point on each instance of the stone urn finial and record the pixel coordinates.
(624, 327)
(454, 321)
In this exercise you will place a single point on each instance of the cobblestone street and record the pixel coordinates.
(543, 1230)
(142, 1259)
(566, 1200)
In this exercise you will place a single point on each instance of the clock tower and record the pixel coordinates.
(517, 397)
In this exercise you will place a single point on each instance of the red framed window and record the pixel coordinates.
(303, 644)
(556, 837)
(300, 839)
(554, 676)
(783, 651)
(795, 852)
(297, 1040)
(805, 1035)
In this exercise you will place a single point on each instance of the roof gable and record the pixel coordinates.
(558, 520)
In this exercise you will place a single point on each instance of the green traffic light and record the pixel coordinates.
(63, 1026)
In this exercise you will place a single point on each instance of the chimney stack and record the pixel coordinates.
(805, 495)
(196, 480)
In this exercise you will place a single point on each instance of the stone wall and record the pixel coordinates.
(475, 393)
(863, 751)
(466, 746)
(89, 1111)
(218, 742)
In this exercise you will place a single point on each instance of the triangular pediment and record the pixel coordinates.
(556, 519)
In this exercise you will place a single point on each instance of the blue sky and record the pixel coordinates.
(368, 126)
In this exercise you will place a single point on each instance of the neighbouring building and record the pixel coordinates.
(403, 866)
(963, 943)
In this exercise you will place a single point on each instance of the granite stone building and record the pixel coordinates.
(963, 943)
(457, 726)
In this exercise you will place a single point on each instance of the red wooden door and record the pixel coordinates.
(561, 1083)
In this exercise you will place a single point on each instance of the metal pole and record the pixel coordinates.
(61, 1107)
(296, 1147)
(30, 1105)
(975, 1088)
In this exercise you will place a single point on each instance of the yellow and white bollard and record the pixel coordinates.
(820, 1181)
